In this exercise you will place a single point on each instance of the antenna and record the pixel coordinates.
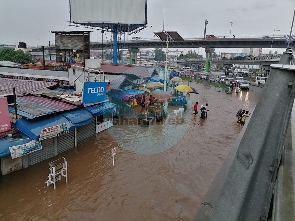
(163, 19)
(291, 30)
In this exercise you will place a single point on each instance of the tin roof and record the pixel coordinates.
(36, 106)
(22, 86)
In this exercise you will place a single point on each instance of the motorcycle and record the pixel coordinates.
(203, 112)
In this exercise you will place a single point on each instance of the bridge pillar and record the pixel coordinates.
(208, 51)
(133, 55)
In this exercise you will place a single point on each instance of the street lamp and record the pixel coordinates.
(273, 35)
(102, 31)
(231, 25)
(206, 23)
(166, 64)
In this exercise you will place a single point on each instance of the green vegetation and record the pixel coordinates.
(18, 56)
(205, 82)
(160, 55)
(190, 55)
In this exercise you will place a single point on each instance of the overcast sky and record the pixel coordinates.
(32, 21)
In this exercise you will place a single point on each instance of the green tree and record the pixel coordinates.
(160, 55)
(18, 56)
(190, 55)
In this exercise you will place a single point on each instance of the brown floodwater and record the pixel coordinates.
(165, 184)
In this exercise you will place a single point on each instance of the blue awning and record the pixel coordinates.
(32, 128)
(78, 117)
(7, 142)
(101, 109)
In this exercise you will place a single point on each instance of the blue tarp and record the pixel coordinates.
(7, 142)
(32, 128)
(78, 117)
(154, 79)
(101, 109)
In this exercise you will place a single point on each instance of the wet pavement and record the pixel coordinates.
(151, 180)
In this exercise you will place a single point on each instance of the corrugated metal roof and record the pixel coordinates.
(35, 106)
(22, 86)
(141, 72)
(116, 83)
(64, 96)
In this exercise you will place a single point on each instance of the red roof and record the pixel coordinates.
(22, 86)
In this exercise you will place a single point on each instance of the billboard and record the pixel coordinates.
(108, 11)
(94, 92)
(4, 116)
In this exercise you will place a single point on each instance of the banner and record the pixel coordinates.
(4, 116)
(94, 92)
(23, 149)
(54, 131)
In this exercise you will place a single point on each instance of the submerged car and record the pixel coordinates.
(244, 85)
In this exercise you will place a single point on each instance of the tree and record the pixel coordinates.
(160, 55)
(190, 55)
(18, 56)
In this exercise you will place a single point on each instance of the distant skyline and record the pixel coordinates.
(32, 21)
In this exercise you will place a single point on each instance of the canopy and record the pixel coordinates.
(78, 117)
(186, 89)
(154, 79)
(7, 142)
(153, 85)
(129, 95)
(33, 128)
(176, 79)
(101, 109)
(161, 95)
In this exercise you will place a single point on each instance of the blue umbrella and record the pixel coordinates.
(155, 79)
(194, 91)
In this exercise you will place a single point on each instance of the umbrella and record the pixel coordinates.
(154, 79)
(160, 95)
(144, 89)
(186, 89)
(176, 79)
(153, 85)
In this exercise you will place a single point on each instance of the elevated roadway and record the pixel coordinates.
(190, 43)
(230, 62)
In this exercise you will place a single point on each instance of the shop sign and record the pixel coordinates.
(94, 92)
(54, 131)
(4, 116)
(23, 149)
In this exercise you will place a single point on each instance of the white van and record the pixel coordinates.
(260, 80)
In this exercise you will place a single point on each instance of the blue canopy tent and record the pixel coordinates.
(101, 109)
(33, 128)
(7, 142)
(78, 117)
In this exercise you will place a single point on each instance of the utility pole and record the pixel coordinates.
(206, 23)
(43, 58)
(102, 31)
(231, 25)
(166, 64)
(49, 51)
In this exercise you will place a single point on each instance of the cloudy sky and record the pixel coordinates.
(32, 21)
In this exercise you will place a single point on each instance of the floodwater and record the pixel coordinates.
(162, 184)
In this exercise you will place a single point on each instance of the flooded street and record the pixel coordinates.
(152, 179)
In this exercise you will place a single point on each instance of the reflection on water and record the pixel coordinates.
(168, 185)
(152, 139)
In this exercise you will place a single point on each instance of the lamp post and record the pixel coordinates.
(273, 35)
(206, 23)
(102, 31)
(166, 64)
(231, 25)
